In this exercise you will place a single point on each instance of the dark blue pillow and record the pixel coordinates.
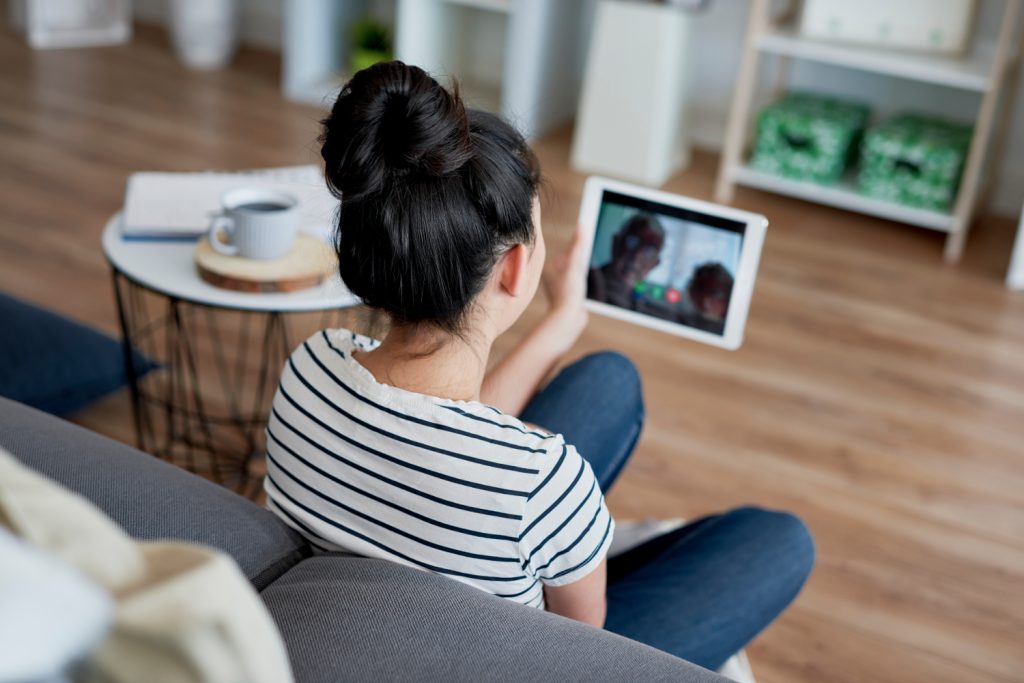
(55, 364)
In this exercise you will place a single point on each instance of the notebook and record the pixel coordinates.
(161, 205)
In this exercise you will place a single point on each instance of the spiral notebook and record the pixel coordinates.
(161, 205)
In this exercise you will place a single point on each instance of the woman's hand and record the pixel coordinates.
(565, 283)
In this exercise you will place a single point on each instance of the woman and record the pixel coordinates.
(409, 449)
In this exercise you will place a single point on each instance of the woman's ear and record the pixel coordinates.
(514, 270)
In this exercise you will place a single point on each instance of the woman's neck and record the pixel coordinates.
(430, 362)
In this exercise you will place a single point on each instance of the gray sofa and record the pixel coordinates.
(343, 617)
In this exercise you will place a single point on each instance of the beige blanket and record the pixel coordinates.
(182, 612)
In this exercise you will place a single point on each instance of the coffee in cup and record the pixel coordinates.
(257, 223)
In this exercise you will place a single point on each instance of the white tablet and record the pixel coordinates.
(671, 263)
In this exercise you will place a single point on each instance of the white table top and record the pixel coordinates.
(168, 267)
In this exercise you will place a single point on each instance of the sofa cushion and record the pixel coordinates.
(149, 498)
(350, 618)
(56, 364)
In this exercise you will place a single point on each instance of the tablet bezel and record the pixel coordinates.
(743, 286)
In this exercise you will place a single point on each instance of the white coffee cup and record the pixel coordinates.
(259, 223)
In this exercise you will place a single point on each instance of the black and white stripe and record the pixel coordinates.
(453, 487)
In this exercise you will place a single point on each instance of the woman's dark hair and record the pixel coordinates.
(431, 193)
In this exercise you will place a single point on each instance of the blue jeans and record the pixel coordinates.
(700, 592)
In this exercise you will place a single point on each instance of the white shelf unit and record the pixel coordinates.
(519, 58)
(537, 84)
(461, 39)
(317, 45)
(984, 71)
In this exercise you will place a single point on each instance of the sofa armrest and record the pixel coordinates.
(150, 499)
(350, 618)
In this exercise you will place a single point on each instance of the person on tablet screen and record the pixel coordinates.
(707, 298)
(417, 450)
(636, 251)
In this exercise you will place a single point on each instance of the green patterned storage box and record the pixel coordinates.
(808, 137)
(914, 160)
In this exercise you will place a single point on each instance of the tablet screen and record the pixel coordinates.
(665, 261)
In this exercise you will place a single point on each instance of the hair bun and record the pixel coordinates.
(393, 119)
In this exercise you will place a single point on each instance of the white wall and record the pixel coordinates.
(719, 38)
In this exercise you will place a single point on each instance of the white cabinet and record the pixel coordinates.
(631, 121)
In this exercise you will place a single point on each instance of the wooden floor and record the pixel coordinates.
(879, 394)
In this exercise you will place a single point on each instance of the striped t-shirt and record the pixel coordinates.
(454, 487)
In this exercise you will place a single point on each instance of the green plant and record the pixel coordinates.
(371, 35)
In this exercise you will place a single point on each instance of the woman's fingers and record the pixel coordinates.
(574, 256)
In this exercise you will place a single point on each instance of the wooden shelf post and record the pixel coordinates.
(963, 209)
(743, 94)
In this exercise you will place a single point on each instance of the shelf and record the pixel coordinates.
(491, 5)
(843, 196)
(321, 93)
(970, 72)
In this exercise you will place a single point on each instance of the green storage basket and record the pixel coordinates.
(914, 160)
(808, 137)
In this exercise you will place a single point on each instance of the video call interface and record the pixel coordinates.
(668, 262)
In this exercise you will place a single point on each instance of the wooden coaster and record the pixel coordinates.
(309, 263)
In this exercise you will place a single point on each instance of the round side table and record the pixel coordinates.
(219, 352)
